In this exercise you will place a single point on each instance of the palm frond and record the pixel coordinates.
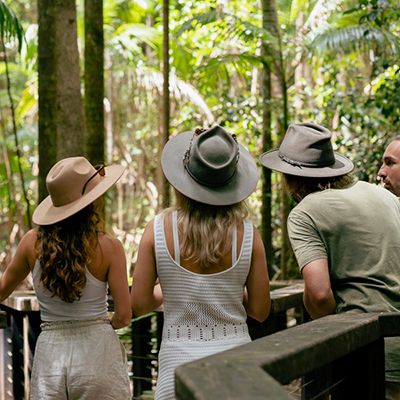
(153, 79)
(236, 58)
(349, 39)
(10, 25)
(235, 26)
(140, 33)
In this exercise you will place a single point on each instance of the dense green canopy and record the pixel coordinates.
(332, 62)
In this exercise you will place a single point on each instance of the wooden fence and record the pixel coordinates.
(18, 340)
(342, 355)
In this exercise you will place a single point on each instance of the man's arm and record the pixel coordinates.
(318, 297)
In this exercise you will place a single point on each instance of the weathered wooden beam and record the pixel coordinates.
(290, 354)
(287, 297)
(3, 319)
(233, 381)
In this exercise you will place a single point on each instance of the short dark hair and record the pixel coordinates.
(300, 186)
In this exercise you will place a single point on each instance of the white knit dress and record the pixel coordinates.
(203, 313)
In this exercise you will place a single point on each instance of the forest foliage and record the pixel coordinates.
(341, 68)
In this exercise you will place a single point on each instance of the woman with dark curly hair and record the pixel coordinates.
(73, 263)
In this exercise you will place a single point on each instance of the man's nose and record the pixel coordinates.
(382, 171)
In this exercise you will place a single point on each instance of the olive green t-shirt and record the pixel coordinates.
(357, 229)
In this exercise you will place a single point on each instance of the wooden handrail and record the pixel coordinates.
(258, 369)
(284, 298)
(3, 319)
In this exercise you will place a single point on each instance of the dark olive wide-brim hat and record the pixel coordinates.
(209, 166)
(306, 150)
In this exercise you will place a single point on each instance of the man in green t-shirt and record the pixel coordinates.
(345, 234)
(390, 168)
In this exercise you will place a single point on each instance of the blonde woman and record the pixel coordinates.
(209, 259)
(78, 355)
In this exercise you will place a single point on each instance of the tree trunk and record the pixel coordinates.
(70, 126)
(60, 103)
(94, 81)
(266, 195)
(165, 188)
(47, 92)
(273, 56)
(15, 134)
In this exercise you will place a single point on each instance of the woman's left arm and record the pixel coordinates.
(146, 296)
(257, 300)
(19, 267)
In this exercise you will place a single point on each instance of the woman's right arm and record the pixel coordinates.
(257, 300)
(19, 266)
(146, 296)
(118, 283)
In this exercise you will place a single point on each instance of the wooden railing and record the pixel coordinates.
(23, 327)
(3, 319)
(17, 343)
(340, 354)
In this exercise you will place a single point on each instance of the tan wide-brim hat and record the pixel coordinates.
(210, 167)
(73, 183)
(306, 150)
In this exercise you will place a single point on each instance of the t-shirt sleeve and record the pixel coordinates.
(304, 238)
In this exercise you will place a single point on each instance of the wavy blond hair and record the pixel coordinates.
(65, 249)
(206, 229)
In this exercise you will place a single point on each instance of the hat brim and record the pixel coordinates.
(241, 185)
(46, 213)
(271, 160)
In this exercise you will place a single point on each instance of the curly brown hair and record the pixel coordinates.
(65, 249)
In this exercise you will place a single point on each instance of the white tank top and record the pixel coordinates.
(92, 304)
(202, 307)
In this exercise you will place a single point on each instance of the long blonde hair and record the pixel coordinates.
(206, 229)
(65, 249)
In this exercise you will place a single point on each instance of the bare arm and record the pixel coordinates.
(146, 296)
(257, 299)
(19, 266)
(118, 283)
(318, 296)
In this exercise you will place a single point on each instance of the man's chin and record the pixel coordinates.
(388, 187)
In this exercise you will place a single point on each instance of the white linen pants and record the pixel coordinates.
(79, 360)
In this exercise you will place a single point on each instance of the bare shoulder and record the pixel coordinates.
(30, 236)
(256, 236)
(28, 242)
(148, 231)
(258, 244)
(109, 244)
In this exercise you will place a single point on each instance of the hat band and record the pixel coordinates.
(303, 164)
(100, 169)
(210, 184)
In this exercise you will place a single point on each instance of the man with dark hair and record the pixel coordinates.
(390, 168)
(345, 234)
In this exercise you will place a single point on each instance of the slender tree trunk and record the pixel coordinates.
(165, 188)
(70, 125)
(47, 92)
(61, 132)
(94, 81)
(14, 127)
(274, 54)
(266, 205)
(13, 205)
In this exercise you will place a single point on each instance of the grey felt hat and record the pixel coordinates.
(306, 150)
(209, 166)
